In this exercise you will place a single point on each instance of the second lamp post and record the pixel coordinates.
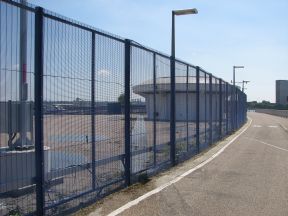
(172, 72)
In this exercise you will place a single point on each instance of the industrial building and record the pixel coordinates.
(185, 96)
(282, 92)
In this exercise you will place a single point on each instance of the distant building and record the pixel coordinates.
(282, 92)
(185, 98)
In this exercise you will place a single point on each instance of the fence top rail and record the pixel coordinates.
(148, 49)
(68, 21)
(63, 19)
(17, 3)
(215, 77)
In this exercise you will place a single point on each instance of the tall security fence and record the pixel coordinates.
(84, 113)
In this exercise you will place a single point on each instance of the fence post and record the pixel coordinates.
(240, 109)
(197, 108)
(210, 111)
(172, 113)
(233, 107)
(246, 107)
(226, 104)
(205, 90)
(187, 107)
(154, 109)
(38, 97)
(236, 109)
(93, 111)
(127, 111)
(220, 108)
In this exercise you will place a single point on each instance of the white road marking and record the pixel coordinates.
(267, 144)
(257, 126)
(273, 126)
(158, 189)
(283, 127)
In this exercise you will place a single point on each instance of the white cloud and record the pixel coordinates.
(103, 72)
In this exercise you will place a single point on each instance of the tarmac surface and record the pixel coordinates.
(250, 177)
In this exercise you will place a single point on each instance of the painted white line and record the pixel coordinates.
(273, 126)
(257, 126)
(283, 127)
(158, 189)
(267, 144)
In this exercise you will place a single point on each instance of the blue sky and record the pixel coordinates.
(223, 34)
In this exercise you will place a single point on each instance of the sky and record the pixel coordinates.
(224, 33)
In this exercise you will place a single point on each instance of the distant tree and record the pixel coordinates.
(121, 99)
(265, 102)
(266, 105)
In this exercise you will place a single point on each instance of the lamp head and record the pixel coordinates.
(238, 66)
(185, 12)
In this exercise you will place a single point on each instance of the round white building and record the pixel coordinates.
(185, 98)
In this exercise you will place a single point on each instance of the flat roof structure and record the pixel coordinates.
(185, 90)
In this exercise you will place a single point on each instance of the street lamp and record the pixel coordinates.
(179, 13)
(244, 82)
(172, 74)
(234, 68)
(235, 123)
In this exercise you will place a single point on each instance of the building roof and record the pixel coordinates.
(179, 80)
(163, 85)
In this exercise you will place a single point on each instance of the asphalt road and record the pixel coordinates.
(249, 178)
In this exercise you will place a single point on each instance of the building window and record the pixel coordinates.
(287, 99)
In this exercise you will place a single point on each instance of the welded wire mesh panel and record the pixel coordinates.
(67, 108)
(70, 62)
(203, 111)
(224, 110)
(109, 111)
(243, 108)
(17, 152)
(181, 105)
(162, 109)
(230, 108)
(218, 125)
(142, 108)
(209, 96)
(207, 108)
(238, 108)
(215, 110)
(192, 110)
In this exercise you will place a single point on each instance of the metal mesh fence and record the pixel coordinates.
(16, 93)
(162, 109)
(203, 141)
(142, 109)
(192, 110)
(84, 113)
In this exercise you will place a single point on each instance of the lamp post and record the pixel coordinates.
(234, 68)
(178, 13)
(235, 123)
(172, 74)
(243, 83)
